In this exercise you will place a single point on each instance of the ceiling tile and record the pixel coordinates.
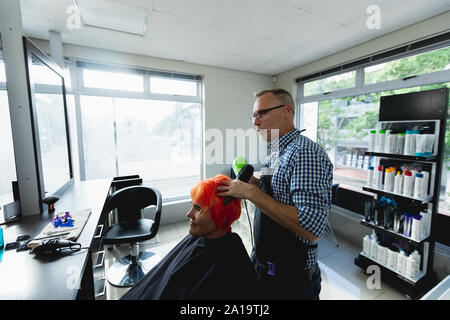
(258, 17)
(203, 11)
(336, 11)
(49, 9)
(166, 27)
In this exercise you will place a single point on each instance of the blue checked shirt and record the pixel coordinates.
(302, 177)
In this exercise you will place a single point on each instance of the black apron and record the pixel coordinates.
(279, 256)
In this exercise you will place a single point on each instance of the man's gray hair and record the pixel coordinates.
(282, 95)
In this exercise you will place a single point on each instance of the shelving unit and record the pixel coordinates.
(401, 156)
(394, 234)
(417, 201)
(426, 106)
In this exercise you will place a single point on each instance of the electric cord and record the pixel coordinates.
(52, 246)
(249, 223)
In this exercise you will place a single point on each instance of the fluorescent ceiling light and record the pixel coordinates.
(113, 15)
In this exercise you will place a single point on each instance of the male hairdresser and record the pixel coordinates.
(292, 199)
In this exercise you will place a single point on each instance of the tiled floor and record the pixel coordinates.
(341, 278)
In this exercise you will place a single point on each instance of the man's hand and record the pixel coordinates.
(254, 181)
(235, 188)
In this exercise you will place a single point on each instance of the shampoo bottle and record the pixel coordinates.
(366, 245)
(401, 262)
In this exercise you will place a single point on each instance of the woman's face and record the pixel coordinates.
(201, 224)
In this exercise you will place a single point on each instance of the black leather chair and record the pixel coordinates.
(132, 228)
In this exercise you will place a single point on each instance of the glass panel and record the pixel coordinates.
(310, 114)
(7, 160)
(43, 75)
(411, 66)
(113, 80)
(67, 80)
(2, 71)
(52, 128)
(71, 112)
(341, 131)
(175, 87)
(160, 141)
(333, 83)
(341, 128)
(98, 137)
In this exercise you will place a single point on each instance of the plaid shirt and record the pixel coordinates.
(302, 177)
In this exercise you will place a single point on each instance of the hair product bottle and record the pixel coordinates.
(408, 184)
(411, 266)
(416, 256)
(401, 262)
(392, 259)
(370, 174)
(366, 245)
(398, 183)
(416, 226)
(374, 248)
(418, 186)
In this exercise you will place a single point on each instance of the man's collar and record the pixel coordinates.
(284, 140)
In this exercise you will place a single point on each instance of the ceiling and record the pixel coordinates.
(261, 36)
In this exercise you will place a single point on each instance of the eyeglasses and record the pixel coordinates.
(258, 115)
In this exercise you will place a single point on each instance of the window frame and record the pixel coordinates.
(360, 88)
(78, 89)
(30, 50)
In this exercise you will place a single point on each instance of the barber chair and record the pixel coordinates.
(328, 230)
(132, 228)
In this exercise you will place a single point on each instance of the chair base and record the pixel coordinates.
(126, 273)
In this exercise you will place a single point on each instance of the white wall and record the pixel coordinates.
(227, 95)
(419, 30)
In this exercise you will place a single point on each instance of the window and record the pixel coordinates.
(333, 83)
(2, 70)
(112, 80)
(175, 87)
(7, 161)
(155, 133)
(432, 61)
(339, 121)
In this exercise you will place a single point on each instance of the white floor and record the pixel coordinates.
(341, 278)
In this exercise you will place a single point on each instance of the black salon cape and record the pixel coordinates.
(200, 269)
